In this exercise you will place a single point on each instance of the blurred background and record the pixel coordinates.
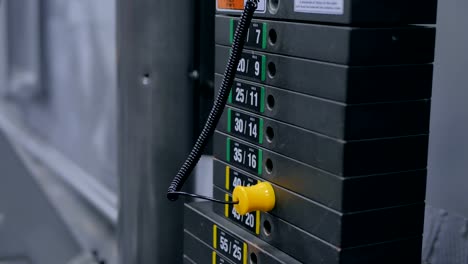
(58, 105)
(59, 134)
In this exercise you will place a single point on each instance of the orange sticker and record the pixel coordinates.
(231, 4)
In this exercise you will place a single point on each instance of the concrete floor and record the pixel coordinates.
(95, 235)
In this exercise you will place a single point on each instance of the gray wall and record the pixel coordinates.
(3, 51)
(75, 110)
(446, 223)
(448, 151)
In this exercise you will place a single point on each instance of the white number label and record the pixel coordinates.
(252, 160)
(236, 182)
(250, 220)
(258, 32)
(238, 155)
(224, 244)
(241, 67)
(237, 253)
(240, 95)
(257, 68)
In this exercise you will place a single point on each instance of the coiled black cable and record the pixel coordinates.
(215, 114)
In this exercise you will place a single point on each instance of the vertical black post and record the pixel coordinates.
(156, 101)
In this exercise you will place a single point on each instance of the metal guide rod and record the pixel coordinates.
(156, 104)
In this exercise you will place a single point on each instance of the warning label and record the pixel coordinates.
(332, 7)
(231, 4)
(238, 5)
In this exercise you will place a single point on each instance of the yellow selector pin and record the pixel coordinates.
(260, 197)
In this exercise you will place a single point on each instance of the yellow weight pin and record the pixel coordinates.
(260, 197)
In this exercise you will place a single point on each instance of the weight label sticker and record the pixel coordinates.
(227, 244)
(331, 7)
(253, 66)
(245, 126)
(235, 178)
(248, 96)
(256, 34)
(251, 159)
(250, 221)
(238, 5)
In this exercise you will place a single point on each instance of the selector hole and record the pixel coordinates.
(270, 102)
(273, 6)
(269, 166)
(253, 258)
(272, 36)
(270, 133)
(271, 69)
(267, 227)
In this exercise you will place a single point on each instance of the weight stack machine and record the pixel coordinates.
(331, 105)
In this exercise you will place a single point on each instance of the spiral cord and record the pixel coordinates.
(218, 106)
